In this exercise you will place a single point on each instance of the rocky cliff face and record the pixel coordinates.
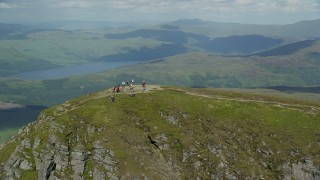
(167, 134)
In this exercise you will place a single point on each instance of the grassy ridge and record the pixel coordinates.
(209, 120)
(253, 138)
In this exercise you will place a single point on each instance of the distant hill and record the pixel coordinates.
(296, 89)
(192, 22)
(177, 37)
(308, 29)
(146, 54)
(239, 44)
(201, 69)
(297, 31)
(245, 44)
(169, 27)
(287, 49)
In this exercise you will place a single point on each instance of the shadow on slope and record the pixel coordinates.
(177, 37)
(296, 89)
(239, 44)
(287, 49)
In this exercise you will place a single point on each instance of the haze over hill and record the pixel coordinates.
(300, 30)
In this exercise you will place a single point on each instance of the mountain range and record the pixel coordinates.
(295, 65)
(297, 31)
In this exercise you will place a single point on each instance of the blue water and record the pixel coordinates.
(87, 68)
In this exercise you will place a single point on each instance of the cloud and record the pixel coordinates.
(156, 9)
(4, 5)
(169, 5)
(72, 4)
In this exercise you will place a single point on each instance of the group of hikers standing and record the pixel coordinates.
(123, 84)
(116, 89)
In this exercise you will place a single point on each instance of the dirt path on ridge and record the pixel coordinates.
(296, 107)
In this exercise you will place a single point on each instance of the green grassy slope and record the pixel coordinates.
(202, 69)
(172, 134)
(192, 69)
(50, 49)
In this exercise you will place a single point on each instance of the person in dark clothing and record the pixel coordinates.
(144, 85)
(112, 99)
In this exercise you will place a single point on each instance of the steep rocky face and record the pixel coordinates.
(168, 134)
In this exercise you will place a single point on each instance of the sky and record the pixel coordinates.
(237, 11)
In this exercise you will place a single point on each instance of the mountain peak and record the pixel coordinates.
(167, 133)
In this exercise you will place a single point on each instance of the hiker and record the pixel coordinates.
(127, 83)
(123, 83)
(112, 98)
(144, 85)
(117, 89)
(132, 81)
